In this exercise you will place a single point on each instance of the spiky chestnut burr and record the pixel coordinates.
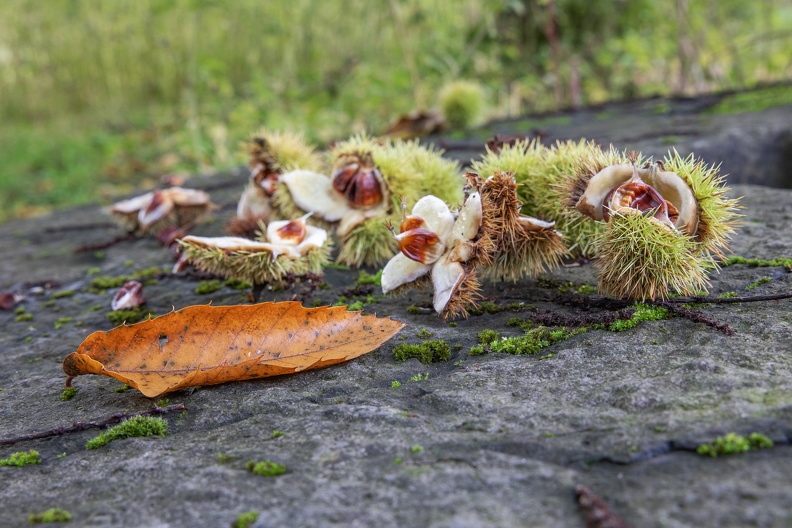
(290, 247)
(246, 227)
(516, 245)
(436, 242)
(358, 197)
(410, 171)
(717, 213)
(158, 210)
(462, 103)
(641, 258)
(663, 230)
(270, 155)
(539, 172)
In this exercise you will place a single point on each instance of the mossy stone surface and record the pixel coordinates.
(505, 437)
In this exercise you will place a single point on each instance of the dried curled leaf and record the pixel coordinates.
(207, 345)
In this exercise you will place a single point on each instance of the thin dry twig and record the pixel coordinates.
(697, 317)
(79, 227)
(729, 300)
(104, 245)
(82, 426)
(559, 319)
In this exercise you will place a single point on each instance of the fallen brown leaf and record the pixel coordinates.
(207, 345)
(417, 124)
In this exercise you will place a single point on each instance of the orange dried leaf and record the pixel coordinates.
(206, 345)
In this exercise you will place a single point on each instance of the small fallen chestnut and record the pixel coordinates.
(130, 295)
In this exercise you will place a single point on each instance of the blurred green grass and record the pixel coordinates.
(100, 98)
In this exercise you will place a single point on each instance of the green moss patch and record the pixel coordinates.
(237, 284)
(485, 337)
(477, 351)
(245, 520)
(267, 468)
(733, 443)
(533, 341)
(99, 284)
(759, 263)
(643, 312)
(22, 459)
(566, 287)
(130, 316)
(758, 282)
(62, 321)
(69, 393)
(134, 427)
(426, 352)
(355, 306)
(104, 282)
(62, 294)
(521, 323)
(753, 101)
(207, 287)
(52, 515)
(365, 279)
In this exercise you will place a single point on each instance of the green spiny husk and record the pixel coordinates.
(428, 172)
(288, 151)
(718, 215)
(255, 267)
(531, 253)
(369, 244)
(576, 164)
(549, 179)
(462, 103)
(285, 151)
(355, 145)
(643, 260)
(410, 171)
(288, 210)
(524, 160)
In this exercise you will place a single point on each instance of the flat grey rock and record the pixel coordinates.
(494, 440)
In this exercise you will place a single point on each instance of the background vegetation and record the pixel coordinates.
(101, 97)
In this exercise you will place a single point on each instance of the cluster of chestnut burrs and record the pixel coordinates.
(653, 228)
